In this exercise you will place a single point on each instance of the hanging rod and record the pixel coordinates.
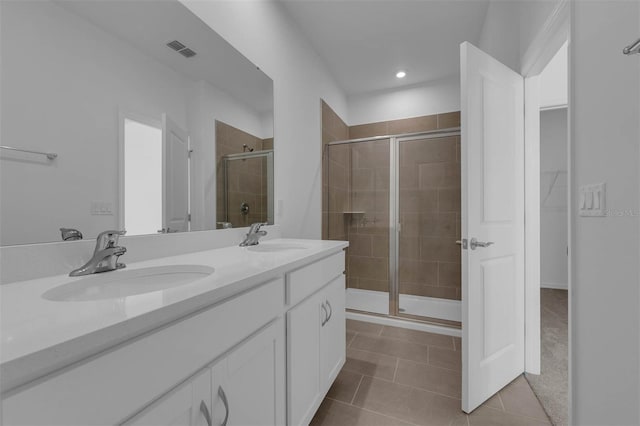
(50, 155)
(632, 48)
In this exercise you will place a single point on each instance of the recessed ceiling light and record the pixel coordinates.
(401, 74)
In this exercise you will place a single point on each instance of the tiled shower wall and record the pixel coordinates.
(356, 179)
(247, 178)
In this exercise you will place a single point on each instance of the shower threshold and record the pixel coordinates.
(416, 308)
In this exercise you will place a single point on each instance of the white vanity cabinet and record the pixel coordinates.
(188, 405)
(315, 336)
(249, 383)
(263, 353)
(245, 387)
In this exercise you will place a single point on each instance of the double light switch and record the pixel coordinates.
(592, 200)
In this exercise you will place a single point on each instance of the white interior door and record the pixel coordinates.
(175, 177)
(492, 156)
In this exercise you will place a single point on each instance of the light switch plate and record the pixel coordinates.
(592, 200)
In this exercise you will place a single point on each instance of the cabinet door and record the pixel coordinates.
(332, 335)
(249, 383)
(188, 405)
(303, 358)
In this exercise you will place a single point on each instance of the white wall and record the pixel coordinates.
(426, 99)
(510, 27)
(553, 198)
(554, 84)
(263, 32)
(67, 100)
(500, 36)
(51, 102)
(605, 133)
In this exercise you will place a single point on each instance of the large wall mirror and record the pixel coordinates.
(152, 122)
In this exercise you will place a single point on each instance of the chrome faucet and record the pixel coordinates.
(105, 256)
(254, 234)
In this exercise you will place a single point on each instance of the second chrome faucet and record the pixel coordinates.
(254, 234)
(105, 255)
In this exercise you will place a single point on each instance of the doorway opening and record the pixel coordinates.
(142, 177)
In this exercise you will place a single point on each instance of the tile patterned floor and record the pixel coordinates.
(395, 376)
(551, 386)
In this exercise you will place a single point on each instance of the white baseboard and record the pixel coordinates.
(557, 286)
(394, 322)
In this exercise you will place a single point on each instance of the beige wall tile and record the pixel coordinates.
(428, 151)
(413, 125)
(449, 119)
(380, 246)
(439, 175)
(417, 271)
(374, 285)
(449, 199)
(439, 249)
(368, 267)
(449, 274)
(360, 245)
(367, 130)
(409, 246)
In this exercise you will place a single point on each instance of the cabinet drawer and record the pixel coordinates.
(308, 279)
(110, 387)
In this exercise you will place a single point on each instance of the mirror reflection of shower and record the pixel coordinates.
(244, 177)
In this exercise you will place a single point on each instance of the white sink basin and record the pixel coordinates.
(276, 247)
(127, 282)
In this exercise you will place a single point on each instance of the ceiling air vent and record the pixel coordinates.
(187, 53)
(181, 49)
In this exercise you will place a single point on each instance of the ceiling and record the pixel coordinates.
(365, 42)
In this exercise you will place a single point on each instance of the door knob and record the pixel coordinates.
(475, 243)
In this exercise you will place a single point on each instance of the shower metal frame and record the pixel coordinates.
(394, 207)
(268, 154)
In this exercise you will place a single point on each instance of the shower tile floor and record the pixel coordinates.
(395, 376)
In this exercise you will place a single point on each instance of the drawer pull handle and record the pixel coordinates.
(326, 315)
(330, 311)
(205, 412)
(223, 397)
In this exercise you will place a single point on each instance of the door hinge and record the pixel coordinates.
(190, 153)
(189, 217)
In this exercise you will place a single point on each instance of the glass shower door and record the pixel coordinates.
(428, 213)
(357, 209)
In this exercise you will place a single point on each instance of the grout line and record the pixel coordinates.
(357, 389)
(501, 403)
(395, 370)
(368, 410)
(410, 360)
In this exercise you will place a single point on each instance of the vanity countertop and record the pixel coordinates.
(39, 336)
